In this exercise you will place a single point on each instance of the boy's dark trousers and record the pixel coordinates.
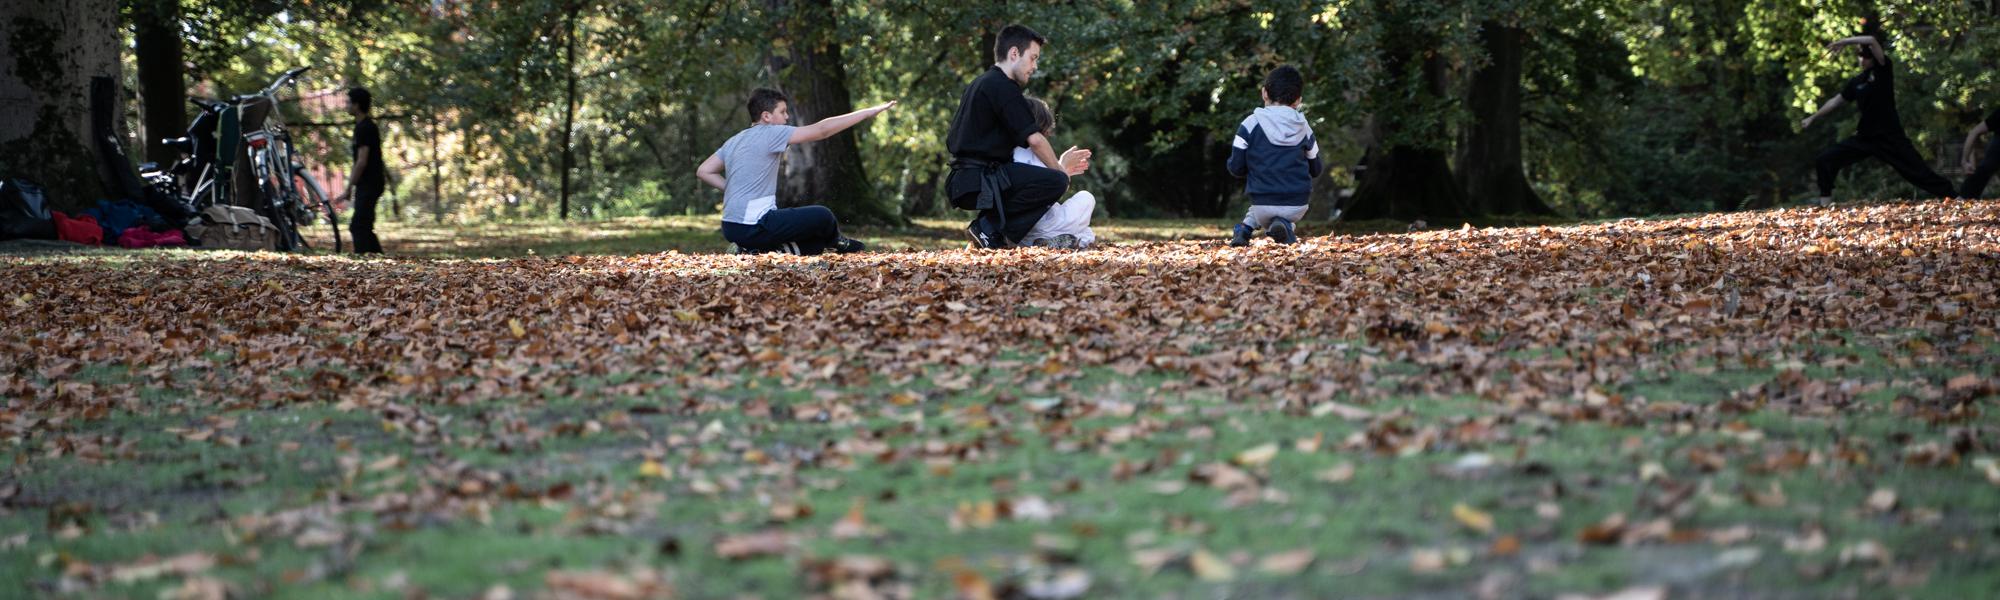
(805, 231)
(1897, 151)
(363, 225)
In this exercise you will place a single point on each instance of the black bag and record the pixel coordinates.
(24, 212)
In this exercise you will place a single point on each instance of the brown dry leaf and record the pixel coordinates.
(179, 566)
(1472, 518)
(854, 524)
(1427, 560)
(1291, 562)
(1610, 530)
(601, 585)
(1209, 567)
(1258, 456)
(1771, 497)
(754, 545)
(1882, 500)
(1636, 593)
(1339, 473)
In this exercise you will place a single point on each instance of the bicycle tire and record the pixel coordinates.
(318, 200)
(272, 203)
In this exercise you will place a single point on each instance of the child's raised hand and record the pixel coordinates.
(1075, 161)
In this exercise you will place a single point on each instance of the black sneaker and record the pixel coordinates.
(848, 245)
(1242, 236)
(1281, 231)
(983, 236)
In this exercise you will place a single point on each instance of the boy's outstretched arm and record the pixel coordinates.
(1312, 157)
(1831, 103)
(1874, 47)
(710, 172)
(829, 126)
(1239, 154)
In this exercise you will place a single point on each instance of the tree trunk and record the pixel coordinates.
(437, 175)
(54, 48)
(828, 172)
(1405, 181)
(1489, 152)
(159, 52)
(569, 111)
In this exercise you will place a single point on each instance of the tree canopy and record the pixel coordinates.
(1627, 107)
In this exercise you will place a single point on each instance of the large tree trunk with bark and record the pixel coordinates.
(53, 48)
(814, 75)
(160, 54)
(1406, 181)
(569, 106)
(1489, 152)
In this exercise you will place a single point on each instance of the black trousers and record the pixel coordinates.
(805, 231)
(1031, 190)
(362, 226)
(1975, 182)
(1897, 151)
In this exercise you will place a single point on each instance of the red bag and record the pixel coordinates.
(139, 237)
(82, 230)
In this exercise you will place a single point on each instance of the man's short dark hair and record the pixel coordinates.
(1284, 85)
(1015, 37)
(765, 100)
(360, 98)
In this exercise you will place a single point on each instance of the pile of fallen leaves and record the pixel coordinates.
(1550, 325)
(1597, 302)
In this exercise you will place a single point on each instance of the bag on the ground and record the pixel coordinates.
(235, 228)
(24, 212)
(81, 229)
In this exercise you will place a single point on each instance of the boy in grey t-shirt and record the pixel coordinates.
(751, 218)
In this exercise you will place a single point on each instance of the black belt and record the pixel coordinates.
(992, 183)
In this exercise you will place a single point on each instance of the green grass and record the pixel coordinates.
(1363, 530)
(1120, 457)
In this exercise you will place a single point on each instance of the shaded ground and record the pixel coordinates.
(1778, 404)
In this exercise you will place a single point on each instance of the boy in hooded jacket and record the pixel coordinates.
(1275, 153)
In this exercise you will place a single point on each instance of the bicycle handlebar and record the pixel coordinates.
(284, 79)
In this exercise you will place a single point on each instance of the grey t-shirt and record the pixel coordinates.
(750, 164)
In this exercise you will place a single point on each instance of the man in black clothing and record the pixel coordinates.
(993, 119)
(1880, 134)
(368, 180)
(1976, 176)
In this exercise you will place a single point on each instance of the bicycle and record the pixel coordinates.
(242, 130)
(291, 197)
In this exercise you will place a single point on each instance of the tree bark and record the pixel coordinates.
(1404, 181)
(569, 111)
(54, 48)
(1489, 152)
(160, 55)
(814, 75)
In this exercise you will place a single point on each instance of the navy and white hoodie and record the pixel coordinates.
(1274, 149)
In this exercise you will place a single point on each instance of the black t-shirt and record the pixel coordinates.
(993, 119)
(1875, 91)
(1993, 121)
(366, 135)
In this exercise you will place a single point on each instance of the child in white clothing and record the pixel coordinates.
(1067, 224)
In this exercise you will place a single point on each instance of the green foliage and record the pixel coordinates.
(1630, 107)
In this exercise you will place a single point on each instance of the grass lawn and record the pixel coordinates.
(1788, 404)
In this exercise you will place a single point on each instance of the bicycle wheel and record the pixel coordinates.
(272, 203)
(315, 199)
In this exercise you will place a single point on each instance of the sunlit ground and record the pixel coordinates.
(1789, 403)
